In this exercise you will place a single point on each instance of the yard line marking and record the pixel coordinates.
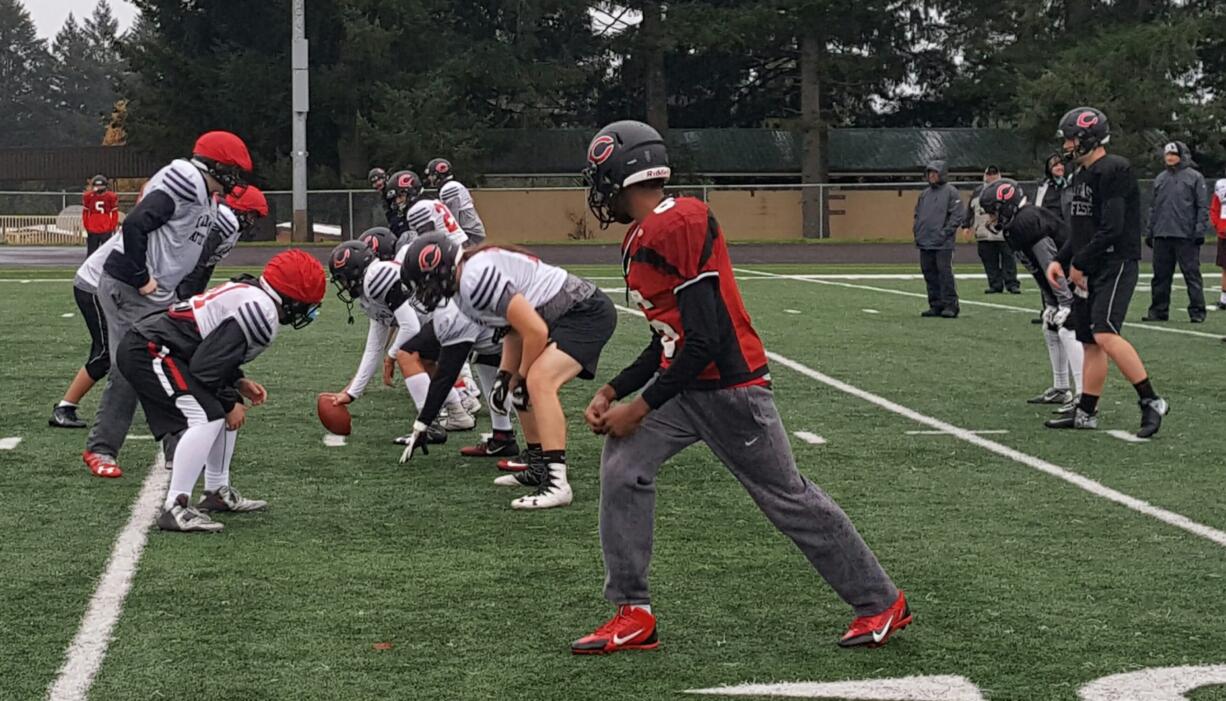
(135, 437)
(810, 438)
(992, 431)
(333, 441)
(1093, 487)
(990, 305)
(931, 688)
(1126, 436)
(791, 311)
(66, 315)
(9, 443)
(88, 648)
(870, 311)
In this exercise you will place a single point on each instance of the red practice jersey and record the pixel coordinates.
(101, 214)
(678, 244)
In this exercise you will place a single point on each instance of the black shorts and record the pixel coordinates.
(99, 361)
(424, 343)
(172, 398)
(583, 331)
(1221, 253)
(1111, 288)
(94, 241)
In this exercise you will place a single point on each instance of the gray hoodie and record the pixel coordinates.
(938, 213)
(1180, 206)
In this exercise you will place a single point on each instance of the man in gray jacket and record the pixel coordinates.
(938, 213)
(1178, 223)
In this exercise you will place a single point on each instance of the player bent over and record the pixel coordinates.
(447, 340)
(556, 326)
(712, 387)
(1100, 259)
(185, 365)
(1036, 234)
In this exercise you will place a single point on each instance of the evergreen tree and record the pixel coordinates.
(24, 73)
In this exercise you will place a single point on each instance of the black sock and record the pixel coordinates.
(534, 446)
(1088, 403)
(553, 456)
(1145, 390)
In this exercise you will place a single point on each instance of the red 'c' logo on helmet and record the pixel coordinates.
(600, 150)
(1085, 120)
(340, 260)
(405, 180)
(429, 258)
(441, 167)
(1004, 193)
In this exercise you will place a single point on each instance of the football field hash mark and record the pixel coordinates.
(334, 441)
(88, 648)
(9, 443)
(66, 315)
(791, 311)
(931, 688)
(992, 431)
(810, 438)
(1126, 436)
(870, 311)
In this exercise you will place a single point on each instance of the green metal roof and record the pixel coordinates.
(745, 151)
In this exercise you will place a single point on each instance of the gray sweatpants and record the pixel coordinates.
(742, 427)
(123, 306)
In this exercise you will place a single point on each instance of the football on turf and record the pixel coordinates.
(335, 418)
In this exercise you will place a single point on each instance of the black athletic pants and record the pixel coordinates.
(1168, 252)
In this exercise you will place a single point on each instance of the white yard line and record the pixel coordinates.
(994, 431)
(810, 438)
(964, 302)
(1126, 436)
(88, 648)
(10, 443)
(870, 311)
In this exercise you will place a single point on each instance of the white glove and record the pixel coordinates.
(417, 439)
(1048, 314)
(1060, 315)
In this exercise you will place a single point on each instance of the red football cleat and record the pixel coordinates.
(101, 465)
(631, 628)
(501, 444)
(521, 463)
(874, 631)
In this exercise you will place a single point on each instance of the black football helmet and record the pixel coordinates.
(428, 270)
(377, 178)
(381, 241)
(1088, 126)
(403, 183)
(99, 183)
(621, 154)
(1003, 198)
(438, 171)
(347, 266)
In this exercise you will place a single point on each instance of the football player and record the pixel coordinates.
(711, 386)
(424, 215)
(1100, 259)
(99, 214)
(1035, 234)
(556, 326)
(185, 365)
(381, 241)
(387, 201)
(446, 340)
(458, 199)
(163, 237)
(375, 285)
(225, 233)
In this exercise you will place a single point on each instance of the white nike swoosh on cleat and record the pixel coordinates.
(619, 640)
(755, 440)
(878, 636)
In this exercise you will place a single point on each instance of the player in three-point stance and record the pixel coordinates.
(185, 365)
(711, 386)
(1100, 259)
(556, 326)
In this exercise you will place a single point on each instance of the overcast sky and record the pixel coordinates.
(49, 15)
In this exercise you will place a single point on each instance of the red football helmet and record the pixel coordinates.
(300, 281)
(225, 157)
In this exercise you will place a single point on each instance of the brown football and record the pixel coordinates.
(334, 418)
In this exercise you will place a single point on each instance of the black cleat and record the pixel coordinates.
(949, 313)
(1079, 419)
(499, 445)
(65, 417)
(1152, 411)
(931, 312)
(1150, 316)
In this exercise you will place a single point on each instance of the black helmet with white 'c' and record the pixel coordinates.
(347, 266)
(1003, 198)
(381, 241)
(428, 270)
(1088, 126)
(622, 154)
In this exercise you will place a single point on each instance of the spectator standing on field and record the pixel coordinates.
(938, 214)
(1054, 194)
(1178, 223)
(100, 213)
(998, 261)
(1217, 216)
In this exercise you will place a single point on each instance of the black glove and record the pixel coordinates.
(498, 393)
(519, 397)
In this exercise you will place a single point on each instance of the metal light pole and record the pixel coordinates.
(301, 105)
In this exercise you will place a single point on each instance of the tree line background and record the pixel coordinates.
(396, 82)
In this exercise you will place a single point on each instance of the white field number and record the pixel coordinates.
(668, 335)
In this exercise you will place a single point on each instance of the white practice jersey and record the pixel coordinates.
(433, 217)
(494, 275)
(174, 248)
(91, 270)
(251, 306)
(380, 280)
(460, 201)
(451, 327)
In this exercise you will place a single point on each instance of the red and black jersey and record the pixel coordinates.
(666, 258)
(101, 212)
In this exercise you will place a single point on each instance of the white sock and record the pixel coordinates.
(217, 470)
(453, 400)
(1059, 359)
(645, 607)
(466, 373)
(65, 402)
(1076, 353)
(486, 374)
(1222, 298)
(418, 386)
(190, 457)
